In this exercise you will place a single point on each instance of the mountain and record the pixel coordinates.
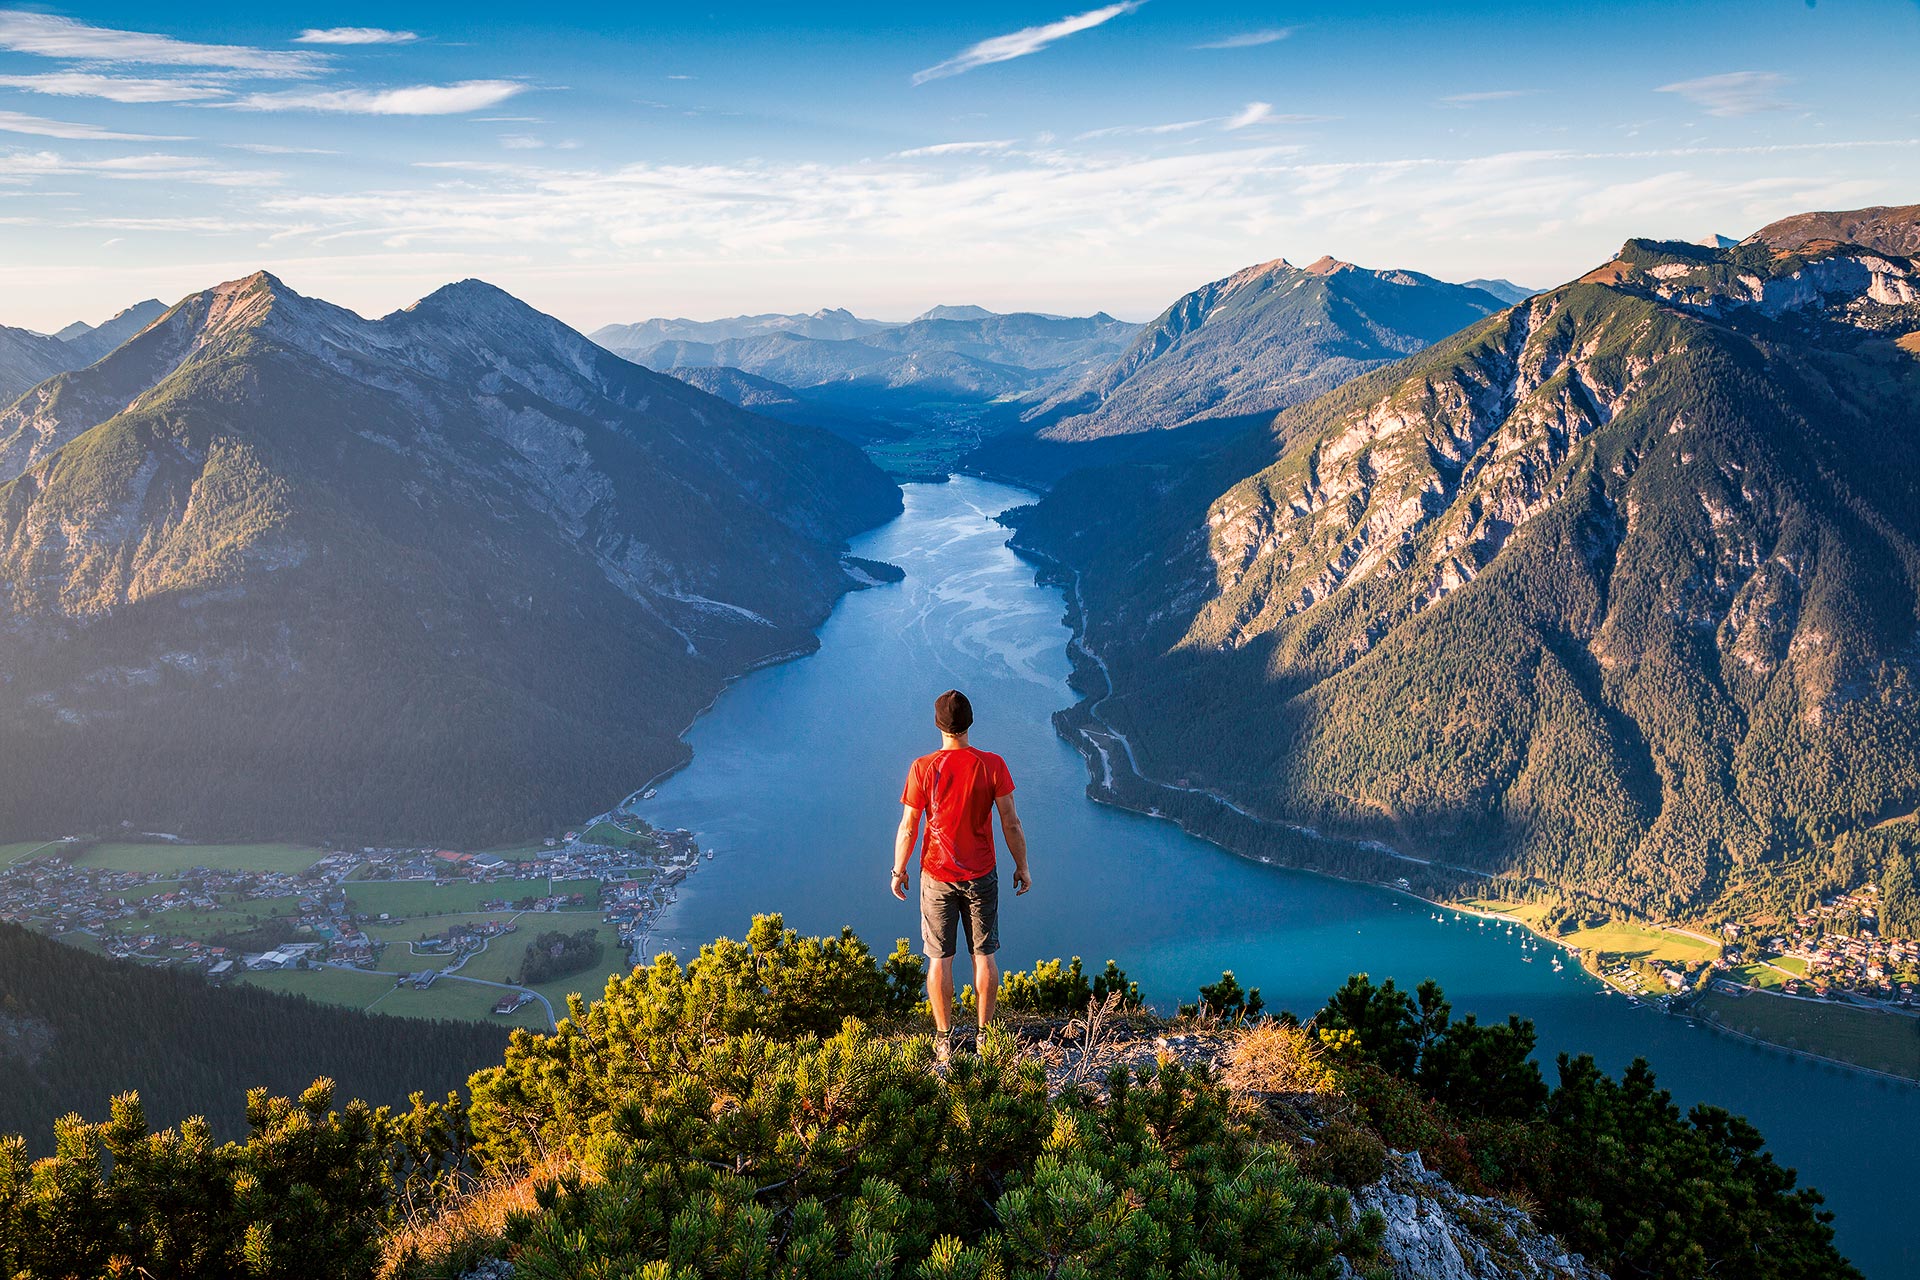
(27, 359)
(967, 312)
(776, 400)
(90, 342)
(830, 323)
(950, 360)
(1617, 591)
(77, 1029)
(1229, 353)
(1505, 290)
(1883, 228)
(459, 572)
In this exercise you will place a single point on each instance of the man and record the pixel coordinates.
(958, 788)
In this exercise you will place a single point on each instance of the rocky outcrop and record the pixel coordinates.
(1435, 1231)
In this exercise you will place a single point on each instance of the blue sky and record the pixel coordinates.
(654, 159)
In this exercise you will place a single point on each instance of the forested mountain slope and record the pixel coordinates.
(1228, 353)
(1619, 589)
(450, 575)
(77, 1029)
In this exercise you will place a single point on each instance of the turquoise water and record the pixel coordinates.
(795, 784)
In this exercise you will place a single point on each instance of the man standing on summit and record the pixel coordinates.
(958, 788)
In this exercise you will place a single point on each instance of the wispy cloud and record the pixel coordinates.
(15, 122)
(86, 84)
(521, 142)
(47, 36)
(1250, 39)
(1251, 114)
(955, 149)
(354, 35)
(1484, 95)
(1736, 93)
(412, 100)
(1018, 44)
(275, 149)
(17, 165)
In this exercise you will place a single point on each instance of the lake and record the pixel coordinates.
(795, 784)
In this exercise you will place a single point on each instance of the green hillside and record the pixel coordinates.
(1617, 591)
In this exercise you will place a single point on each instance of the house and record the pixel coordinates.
(510, 1003)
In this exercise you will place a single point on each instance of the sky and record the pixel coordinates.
(613, 163)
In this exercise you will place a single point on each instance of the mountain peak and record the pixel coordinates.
(1326, 265)
(963, 312)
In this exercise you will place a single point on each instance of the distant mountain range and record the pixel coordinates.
(449, 575)
(1617, 590)
(1229, 353)
(834, 367)
(28, 358)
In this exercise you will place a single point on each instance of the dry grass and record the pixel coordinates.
(1273, 1060)
(448, 1242)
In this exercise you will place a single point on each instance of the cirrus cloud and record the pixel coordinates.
(410, 100)
(1018, 44)
(354, 35)
(47, 36)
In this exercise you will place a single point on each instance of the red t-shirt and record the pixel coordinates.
(957, 789)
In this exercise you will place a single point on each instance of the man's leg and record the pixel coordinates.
(940, 990)
(986, 984)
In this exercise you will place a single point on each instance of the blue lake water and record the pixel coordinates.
(795, 784)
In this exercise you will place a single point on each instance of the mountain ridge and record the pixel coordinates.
(450, 528)
(1538, 491)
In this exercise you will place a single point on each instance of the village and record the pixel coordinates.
(345, 924)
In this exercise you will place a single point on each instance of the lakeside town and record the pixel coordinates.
(410, 915)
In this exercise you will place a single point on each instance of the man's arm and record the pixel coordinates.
(1016, 842)
(903, 848)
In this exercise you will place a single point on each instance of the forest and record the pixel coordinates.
(77, 1029)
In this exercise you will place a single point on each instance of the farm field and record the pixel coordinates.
(411, 899)
(1887, 1042)
(161, 857)
(329, 986)
(465, 1001)
(21, 848)
(504, 957)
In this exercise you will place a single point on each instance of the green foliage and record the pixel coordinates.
(304, 1195)
(554, 1092)
(559, 955)
(1226, 1001)
(1652, 1193)
(849, 1157)
(1051, 988)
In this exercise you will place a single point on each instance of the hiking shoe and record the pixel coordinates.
(942, 1048)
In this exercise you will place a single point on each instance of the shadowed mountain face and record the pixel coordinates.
(1228, 354)
(1619, 589)
(29, 358)
(453, 574)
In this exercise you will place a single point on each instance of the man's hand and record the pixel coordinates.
(1022, 881)
(900, 884)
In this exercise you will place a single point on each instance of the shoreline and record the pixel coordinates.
(1100, 790)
